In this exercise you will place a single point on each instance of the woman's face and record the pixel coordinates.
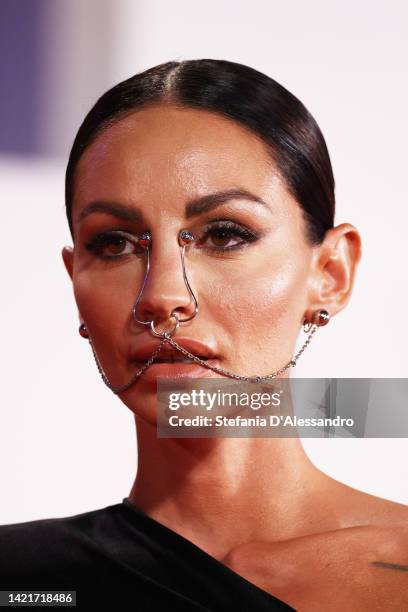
(252, 284)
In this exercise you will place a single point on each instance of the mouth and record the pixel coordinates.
(176, 359)
(170, 362)
(168, 354)
(176, 367)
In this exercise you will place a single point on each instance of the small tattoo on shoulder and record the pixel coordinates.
(394, 566)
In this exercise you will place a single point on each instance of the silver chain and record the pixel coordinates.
(290, 364)
(135, 377)
(185, 238)
(167, 338)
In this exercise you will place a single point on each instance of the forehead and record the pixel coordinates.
(178, 151)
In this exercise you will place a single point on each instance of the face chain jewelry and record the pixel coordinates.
(185, 238)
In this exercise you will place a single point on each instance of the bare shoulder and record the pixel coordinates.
(361, 566)
(384, 511)
(383, 519)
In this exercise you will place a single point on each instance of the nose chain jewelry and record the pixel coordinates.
(185, 238)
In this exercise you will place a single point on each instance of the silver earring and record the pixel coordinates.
(319, 318)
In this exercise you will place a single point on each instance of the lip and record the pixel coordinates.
(176, 370)
(196, 347)
(139, 356)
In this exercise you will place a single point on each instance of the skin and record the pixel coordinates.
(257, 505)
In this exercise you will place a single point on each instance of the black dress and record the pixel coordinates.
(120, 556)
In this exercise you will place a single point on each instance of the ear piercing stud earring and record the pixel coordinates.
(319, 318)
(83, 331)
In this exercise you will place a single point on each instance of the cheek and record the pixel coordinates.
(102, 307)
(269, 296)
(262, 312)
(279, 292)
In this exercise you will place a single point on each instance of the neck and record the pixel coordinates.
(220, 492)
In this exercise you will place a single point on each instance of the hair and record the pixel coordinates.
(292, 137)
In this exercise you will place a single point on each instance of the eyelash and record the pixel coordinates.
(96, 244)
(232, 229)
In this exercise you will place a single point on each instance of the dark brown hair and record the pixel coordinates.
(251, 98)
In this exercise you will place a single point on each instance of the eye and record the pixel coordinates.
(113, 245)
(226, 235)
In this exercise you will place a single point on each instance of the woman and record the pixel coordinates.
(230, 157)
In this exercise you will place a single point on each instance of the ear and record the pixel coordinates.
(68, 257)
(335, 264)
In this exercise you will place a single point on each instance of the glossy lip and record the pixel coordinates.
(176, 370)
(196, 347)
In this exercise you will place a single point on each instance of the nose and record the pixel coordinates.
(165, 289)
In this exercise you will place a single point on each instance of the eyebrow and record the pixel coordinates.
(194, 207)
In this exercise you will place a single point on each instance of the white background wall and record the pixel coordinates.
(67, 444)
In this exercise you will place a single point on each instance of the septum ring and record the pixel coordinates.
(185, 238)
(167, 333)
